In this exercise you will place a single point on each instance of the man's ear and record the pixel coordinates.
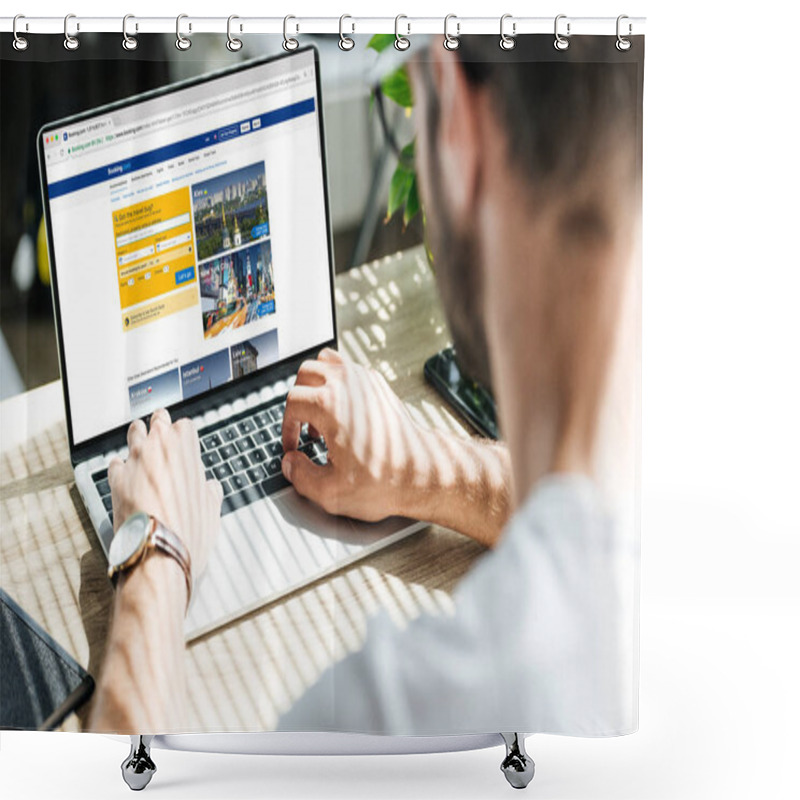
(458, 143)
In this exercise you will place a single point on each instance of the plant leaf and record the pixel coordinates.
(407, 159)
(380, 41)
(399, 189)
(397, 87)
(412, 201)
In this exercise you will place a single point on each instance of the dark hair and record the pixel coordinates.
(564, 111)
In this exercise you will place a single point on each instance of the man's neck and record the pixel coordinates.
(551, 316)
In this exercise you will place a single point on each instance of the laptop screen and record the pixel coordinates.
(190, 237)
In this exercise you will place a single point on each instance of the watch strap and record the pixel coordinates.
(162, 538)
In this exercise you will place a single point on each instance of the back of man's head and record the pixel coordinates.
(571, 118)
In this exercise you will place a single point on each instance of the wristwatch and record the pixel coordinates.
(139, 534)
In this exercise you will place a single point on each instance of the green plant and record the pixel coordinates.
(403, 190)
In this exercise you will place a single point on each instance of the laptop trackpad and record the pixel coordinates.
(298, 512)
(275, 546)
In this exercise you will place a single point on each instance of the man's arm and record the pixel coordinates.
(142, 683)
(381, 463)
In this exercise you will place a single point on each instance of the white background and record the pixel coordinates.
(720, 612)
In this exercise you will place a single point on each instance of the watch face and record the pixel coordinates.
(129, 539)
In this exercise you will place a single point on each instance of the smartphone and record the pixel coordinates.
(471, 400)
(42, 683)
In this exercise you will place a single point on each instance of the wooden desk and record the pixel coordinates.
(243, 676)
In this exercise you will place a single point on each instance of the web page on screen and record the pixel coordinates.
(190, 241)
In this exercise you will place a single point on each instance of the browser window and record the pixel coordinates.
(190, 240)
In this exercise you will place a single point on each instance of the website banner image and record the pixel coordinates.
(253, 354)
(206, 373)
(237, 288)
(159, 391)
(230, 210)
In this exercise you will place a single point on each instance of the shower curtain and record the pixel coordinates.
(533, 628)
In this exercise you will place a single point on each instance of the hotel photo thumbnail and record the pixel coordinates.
(230, 210)
(237, 288)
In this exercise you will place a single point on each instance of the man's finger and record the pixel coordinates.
(114, 467)
(309, 479)
(215, 490)
(160, 417)
(330, 356)
(305, 404)
(312, 373)
(137, 433)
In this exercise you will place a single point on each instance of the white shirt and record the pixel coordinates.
(543, 638)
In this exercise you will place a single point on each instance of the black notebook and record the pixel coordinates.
(40, 683)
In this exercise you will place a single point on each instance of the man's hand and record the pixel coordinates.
(164, 476)
(370, 437)
(381, 463)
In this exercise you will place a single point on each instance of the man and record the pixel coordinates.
(529, 173)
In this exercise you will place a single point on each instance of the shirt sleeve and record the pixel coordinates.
(537, 642)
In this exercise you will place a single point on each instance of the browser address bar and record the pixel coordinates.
(191, 112)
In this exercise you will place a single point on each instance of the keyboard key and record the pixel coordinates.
(209, 474)
(261, 437)
(246, 426)
(262, 419)
(230, 434)
(226, 488)
(239, 481)
(274, 467)
(98, 476)
(274, 483)
(257, 456)
(276, 412)
(237, 500)
(212, 442)
(275, 449)
(308, 449)
(276, 430)
(245, 443)
(239, 463)
(256, 474)
(107, 502)
(103, 488)
(228, 451)
(211, 459)
(222, 471)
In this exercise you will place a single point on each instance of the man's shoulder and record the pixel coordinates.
(563, 504)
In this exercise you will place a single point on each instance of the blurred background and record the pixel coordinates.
(45, 83)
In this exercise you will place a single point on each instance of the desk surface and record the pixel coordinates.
(244, 675)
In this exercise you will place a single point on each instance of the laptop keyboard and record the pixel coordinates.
(243, 453)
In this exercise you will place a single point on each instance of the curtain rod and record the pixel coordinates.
(348, 25)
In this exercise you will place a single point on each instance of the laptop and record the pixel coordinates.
(192, 268)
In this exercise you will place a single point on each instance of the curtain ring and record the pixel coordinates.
(129, 42)
(20, 42)
(70, 42)
(181, 42)
(561, 42)
(451, 42)
(233, 44)
(507, 42)
(289, 43)
(345, 42)
(623, 44)
(401, 42)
